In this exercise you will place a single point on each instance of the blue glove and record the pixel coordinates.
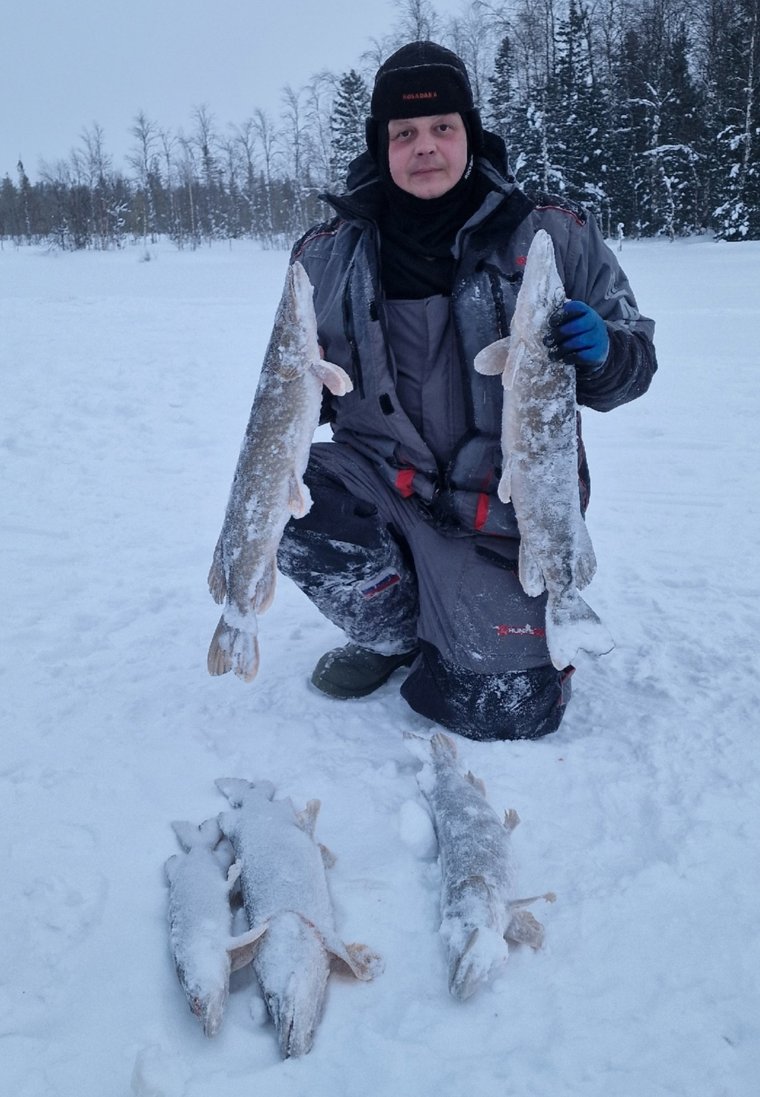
(578, 335)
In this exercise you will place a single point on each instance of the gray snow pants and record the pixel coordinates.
(379, 568)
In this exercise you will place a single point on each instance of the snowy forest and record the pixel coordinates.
(645, 111)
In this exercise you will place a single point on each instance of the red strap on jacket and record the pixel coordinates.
(405, 482)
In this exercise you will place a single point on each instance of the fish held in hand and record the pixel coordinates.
(479, 911)
(200, 920)
(285, 894)
(540, 462)
(268, 484)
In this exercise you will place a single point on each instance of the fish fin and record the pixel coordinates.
(217, 582)
(511, 819)
(207, 835)
(524, 929)
(187, 834)
(476, 782)
(233, 649)
(299, 497)
(504, 490)
(328, 857)
(224, 853)
(242, 949)
(548, 897)
(361, 961)
(418, 745)
(335, 379)
(573, 626)
(529, 571)
(585, 558)
(444, 746)
(171, 866)
(492, 360)
(514, 362)
(210, 833)
(234, 789)
(265, 588)
(307, 819)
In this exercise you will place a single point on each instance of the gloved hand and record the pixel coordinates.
(578, 335)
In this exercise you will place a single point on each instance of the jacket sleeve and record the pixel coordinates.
(594, 275)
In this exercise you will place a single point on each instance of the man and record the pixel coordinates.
(407, 547)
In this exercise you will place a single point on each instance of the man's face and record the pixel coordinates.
(427, 156)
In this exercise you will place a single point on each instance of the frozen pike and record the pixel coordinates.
(200, 920)
(285, 894)
(268, 484)
(540, 462)
(479, 912)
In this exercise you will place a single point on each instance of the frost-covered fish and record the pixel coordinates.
(200, 920)
(268, 485)
(479, 912)
(540, 469)
(285, 894)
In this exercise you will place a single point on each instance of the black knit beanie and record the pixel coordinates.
(422, 78)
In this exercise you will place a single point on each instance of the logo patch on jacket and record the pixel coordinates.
(519, 630)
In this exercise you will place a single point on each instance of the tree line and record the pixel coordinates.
(645, 111)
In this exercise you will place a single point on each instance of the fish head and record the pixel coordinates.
(296, 998)
(294, 345)
(542, 291)
(210, 1010)
(485, 952)
(296, 1014)
(206, 1004)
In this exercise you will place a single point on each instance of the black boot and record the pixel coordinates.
(354, 671)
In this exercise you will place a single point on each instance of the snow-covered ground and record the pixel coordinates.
(126, 386)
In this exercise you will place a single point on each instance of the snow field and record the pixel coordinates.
(126, 388)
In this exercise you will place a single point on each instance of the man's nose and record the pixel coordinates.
(424, 145)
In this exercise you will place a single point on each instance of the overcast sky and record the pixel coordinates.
(67, 64)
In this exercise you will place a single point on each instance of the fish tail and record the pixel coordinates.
(233, 649)
(572, 626)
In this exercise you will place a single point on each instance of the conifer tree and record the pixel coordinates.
(347, 123)
(734, 94)
(499, 109)
(577, 115)
(26, 211)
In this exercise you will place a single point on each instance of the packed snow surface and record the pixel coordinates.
(127, 386)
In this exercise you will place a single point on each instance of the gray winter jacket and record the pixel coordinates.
(358, 330)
